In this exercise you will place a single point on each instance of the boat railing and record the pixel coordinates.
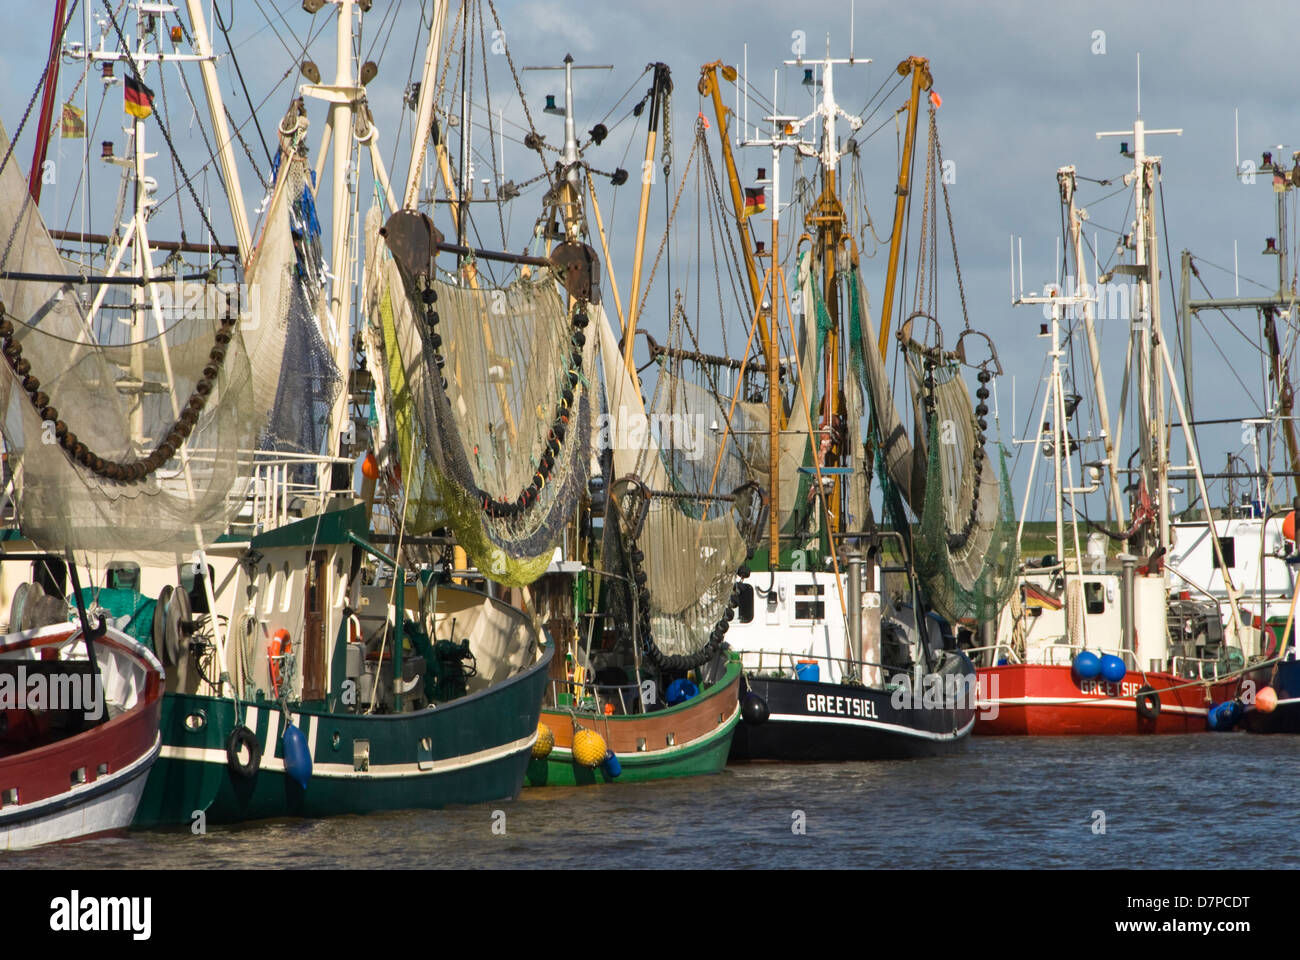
(277, 494)
(996, 651)
(785, 664)
(1061, 653)
(1199, 668)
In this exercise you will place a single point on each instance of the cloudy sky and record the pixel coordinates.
(1025, 87)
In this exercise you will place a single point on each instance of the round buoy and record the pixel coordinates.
(370, 467)
(1112, 668)
(754, 709)
(1087, 666)
(1288, 526)
(1266, 700)
(544, 743)
(588, 748)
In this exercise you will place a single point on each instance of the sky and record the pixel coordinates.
(1024, 87)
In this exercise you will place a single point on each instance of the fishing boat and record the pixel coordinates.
(79, 713)
(303, 677)
(1244, 571)
(1080, 649)
(846, 654)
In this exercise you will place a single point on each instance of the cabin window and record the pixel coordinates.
(122, 575)
(268, 602)
(1229, 547)
(1094, 597)
(810, 609)
(745, 608)
(286, 599)
(9, 797)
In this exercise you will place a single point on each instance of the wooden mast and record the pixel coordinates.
(47, 104)
(921, 81)
(659, 90)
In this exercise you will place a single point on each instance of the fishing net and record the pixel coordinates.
(687, 549)
(963, 548)
(715, 458)
(492, 414)
(130, 427)
(309, 380)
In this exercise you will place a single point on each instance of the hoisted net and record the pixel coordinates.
(119, 387)
(692, 548)
(507, 353)
(738, 455)
(964, 549)
(309, 381)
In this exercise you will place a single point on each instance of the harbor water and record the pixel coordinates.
(1205, 802)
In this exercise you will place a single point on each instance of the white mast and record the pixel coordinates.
(1145, 319)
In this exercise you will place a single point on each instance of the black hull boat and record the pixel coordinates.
(791, 719)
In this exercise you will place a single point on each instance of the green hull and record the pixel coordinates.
(472, 750)
(706, 754)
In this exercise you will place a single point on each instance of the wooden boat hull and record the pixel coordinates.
(471, 750)
(111, 759)
(685, 740)
(1047, 700)
(833, 722)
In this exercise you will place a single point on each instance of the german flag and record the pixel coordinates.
(1039, 599)
(755, 201)
(137, 99)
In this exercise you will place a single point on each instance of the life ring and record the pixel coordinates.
(1148, 702)
(280, 647)
(241, 736)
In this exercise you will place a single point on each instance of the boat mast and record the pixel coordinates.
(1153, 355)
(35, 175)
(349, 120)
(919, 67)
(828, 219)
(1059, 444)
(659, 91)
(1144, 330)
(1065, 176)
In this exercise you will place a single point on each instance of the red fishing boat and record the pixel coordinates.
(1078, 649)
(79, 717)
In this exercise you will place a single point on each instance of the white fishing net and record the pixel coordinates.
(119, 383)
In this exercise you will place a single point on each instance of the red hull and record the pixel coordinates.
(86, 784)
(1040, 700)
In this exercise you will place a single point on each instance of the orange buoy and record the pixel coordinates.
(370, 467)
(1288, 526)
(1266, 700)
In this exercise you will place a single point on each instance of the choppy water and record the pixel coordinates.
(1211, 801)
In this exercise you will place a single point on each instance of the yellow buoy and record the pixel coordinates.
(544, 742)
(588, 748)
